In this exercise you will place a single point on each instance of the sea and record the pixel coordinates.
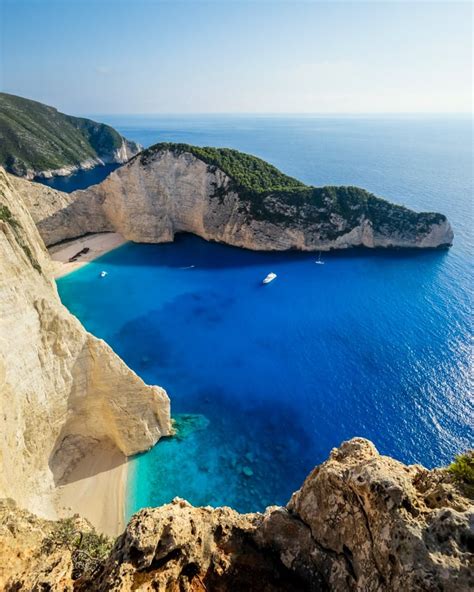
(265, 380)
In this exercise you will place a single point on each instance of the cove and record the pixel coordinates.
(265, 380)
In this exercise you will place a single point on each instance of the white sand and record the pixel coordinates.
(98, 244)
(96, 490)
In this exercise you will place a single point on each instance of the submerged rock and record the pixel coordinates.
(360, 522)
(184, 424)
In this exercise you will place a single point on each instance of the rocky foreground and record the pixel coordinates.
(361, 522)
(226, 196)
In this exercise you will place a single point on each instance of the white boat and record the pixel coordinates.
(318, 260)
(103, 273)
(270, 277)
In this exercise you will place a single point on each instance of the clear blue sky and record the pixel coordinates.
(153, 56)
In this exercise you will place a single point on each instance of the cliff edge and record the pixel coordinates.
(62, 390)
(361, 522)
(227, 196)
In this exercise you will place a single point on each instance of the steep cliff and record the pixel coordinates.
(361, 522)
(58, 215)
(226, 196)
(38, 140)
(61, 389)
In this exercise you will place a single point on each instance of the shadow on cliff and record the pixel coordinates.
(77, 458)
(190, 250)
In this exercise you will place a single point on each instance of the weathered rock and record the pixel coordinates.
(361, 522)
(366, 522)
(61, 388)
(179, 547)
(23, 563)
(164, 192)
(58, 215)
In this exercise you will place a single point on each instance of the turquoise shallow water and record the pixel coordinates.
(265, 380)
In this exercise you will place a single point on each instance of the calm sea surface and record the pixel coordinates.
(264, 381)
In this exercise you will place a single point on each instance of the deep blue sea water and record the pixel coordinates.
(373, 344)
(80, 179)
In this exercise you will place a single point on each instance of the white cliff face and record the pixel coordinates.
(61, 389)
(127, 150)
(60, 216)
(170, 193)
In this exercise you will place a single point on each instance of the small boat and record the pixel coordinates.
(270, 277)
(318, 260)
(103, 273)
(188, 267)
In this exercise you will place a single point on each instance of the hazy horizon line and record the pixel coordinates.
(277, 114)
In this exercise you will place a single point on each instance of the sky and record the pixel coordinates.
(249, 56)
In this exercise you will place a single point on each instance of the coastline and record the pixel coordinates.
(96, 489)
(98, 244)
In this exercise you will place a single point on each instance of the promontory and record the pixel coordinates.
(227, 196)
(36, 140)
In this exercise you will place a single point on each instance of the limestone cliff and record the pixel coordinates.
(61, 389)
(226, 196)
(361, 522)
(58, 215)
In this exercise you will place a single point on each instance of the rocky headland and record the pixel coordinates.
(36, 140)
(226, 196)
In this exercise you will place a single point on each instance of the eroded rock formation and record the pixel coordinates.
(61, 389)
(361, 522)
(167, 190)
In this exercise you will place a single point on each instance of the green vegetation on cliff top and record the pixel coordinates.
(249, 172)
(269, 194)
(37, 137)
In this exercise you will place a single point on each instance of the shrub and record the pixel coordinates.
(463, 468)
(88, 548)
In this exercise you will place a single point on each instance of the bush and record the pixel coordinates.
(88, 548)
(463, 468)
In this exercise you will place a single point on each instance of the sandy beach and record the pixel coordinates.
(98, 244)
(96, 489)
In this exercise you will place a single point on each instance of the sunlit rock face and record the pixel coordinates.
(361, 522)
(61, 389)
(165, 191)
